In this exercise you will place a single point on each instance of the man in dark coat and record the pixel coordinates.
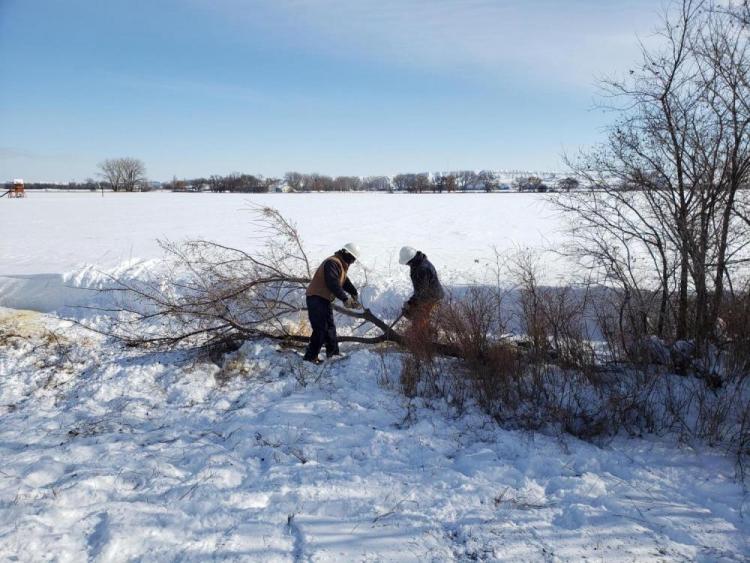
(427, 289)
(329, 282)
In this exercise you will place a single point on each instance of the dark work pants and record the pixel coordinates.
(320, 312)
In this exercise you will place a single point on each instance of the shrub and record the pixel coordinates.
(553, 377)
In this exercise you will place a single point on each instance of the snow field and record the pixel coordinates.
(111, 455)
(51, 241)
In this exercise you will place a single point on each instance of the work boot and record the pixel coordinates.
(316, 361)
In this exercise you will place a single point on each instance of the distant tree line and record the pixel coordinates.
(424, 182)
(87, 185)
(129, 175)
(437, 182)
(231, 183)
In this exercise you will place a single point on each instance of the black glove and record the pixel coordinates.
(406, 310)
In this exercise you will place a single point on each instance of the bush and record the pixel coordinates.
(553, 377)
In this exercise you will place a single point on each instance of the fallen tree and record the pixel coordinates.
(209, 295)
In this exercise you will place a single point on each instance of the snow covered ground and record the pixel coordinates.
(111, 454)
(55, 232)
(48, 239)
(114, 456)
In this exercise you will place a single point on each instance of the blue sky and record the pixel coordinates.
(200, 87)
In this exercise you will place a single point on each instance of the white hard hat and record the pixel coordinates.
(352, 249)
(406, 254)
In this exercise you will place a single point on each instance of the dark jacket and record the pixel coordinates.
(425, 280)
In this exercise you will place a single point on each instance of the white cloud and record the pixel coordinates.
(571, 41)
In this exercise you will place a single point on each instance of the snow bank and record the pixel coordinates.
(70, 293)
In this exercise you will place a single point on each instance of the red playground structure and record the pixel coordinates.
(15, 189)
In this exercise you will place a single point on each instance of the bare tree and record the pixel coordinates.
(270, 184)
(465, 179)
(450, 183)
(740, 10)
(664, 220)
(318, 183)
(376, 183)
(438, 182)
(529, 184)
(216, 183)
(347, 183)
(422, 183)
(111, 173)
(568, 184)
(404, 182)
(294, 180)
(126, 174)
(487, 180)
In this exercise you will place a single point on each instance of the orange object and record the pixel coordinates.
(17, 189)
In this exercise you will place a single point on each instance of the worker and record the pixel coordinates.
(329, 283)
(427, 289)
